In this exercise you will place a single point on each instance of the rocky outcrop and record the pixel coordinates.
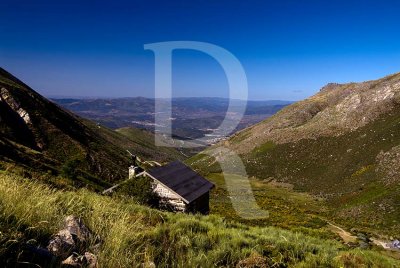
(71, 244)
(336, 110)
(18, 113)
(329, 87)
(7, 97)
(41, 135)
(62, 244)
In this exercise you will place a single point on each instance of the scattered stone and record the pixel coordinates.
(62, 244)
(253, 261)
(364, 241)
(396, 244)
(72, 261)
(363, 237)
(364, 245)
(91, 260)
(88, 260)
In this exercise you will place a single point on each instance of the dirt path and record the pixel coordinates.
(380, 243)
(349, 238)
(346, 236)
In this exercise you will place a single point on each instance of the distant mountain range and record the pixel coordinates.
(192, 117)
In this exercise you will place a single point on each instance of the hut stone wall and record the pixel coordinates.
(169, 198)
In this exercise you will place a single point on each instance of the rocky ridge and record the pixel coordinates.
(335, 110)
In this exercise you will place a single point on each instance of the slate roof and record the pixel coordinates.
(182, 180)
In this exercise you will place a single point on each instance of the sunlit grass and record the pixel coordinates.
(132, 235)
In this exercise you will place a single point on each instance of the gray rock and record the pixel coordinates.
(76, 228)
(62, 244)
(91, 260)
(364, 245)
(363, 237)
(72, 261)
(396, 244)
(73, 238)
(88, 260)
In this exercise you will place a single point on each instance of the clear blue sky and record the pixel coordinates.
(289, 49)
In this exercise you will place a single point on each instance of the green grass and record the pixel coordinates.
(340, 169)
(287, 209)
(263, 149)
(145, 139)
(54, 137)
(133, 234)
(9, 82)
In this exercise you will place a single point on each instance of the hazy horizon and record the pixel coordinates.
(182, 97)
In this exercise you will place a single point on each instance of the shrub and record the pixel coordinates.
(140, 189)
(70, 169)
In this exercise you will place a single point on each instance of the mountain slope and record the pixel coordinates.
(39, 134)
(341, 144)
(336, 109)
(146, 140)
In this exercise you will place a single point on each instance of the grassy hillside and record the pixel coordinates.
(145, 139)
(37, 134)
(349, 171)
(135, 236)
(354, 168)
(286, 208)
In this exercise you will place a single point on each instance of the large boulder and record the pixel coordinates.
(62, 244)
(70, 244)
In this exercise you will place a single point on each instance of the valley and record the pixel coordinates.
(330, 189)
(204, 134)
(192, 118)
(345, 155)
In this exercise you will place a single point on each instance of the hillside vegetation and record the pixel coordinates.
(37, 134)
(341, 145)
(335, 110)
(135, 236)
(305, 170)
(146, 139)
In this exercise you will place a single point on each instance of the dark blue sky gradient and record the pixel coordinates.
(289, 49)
